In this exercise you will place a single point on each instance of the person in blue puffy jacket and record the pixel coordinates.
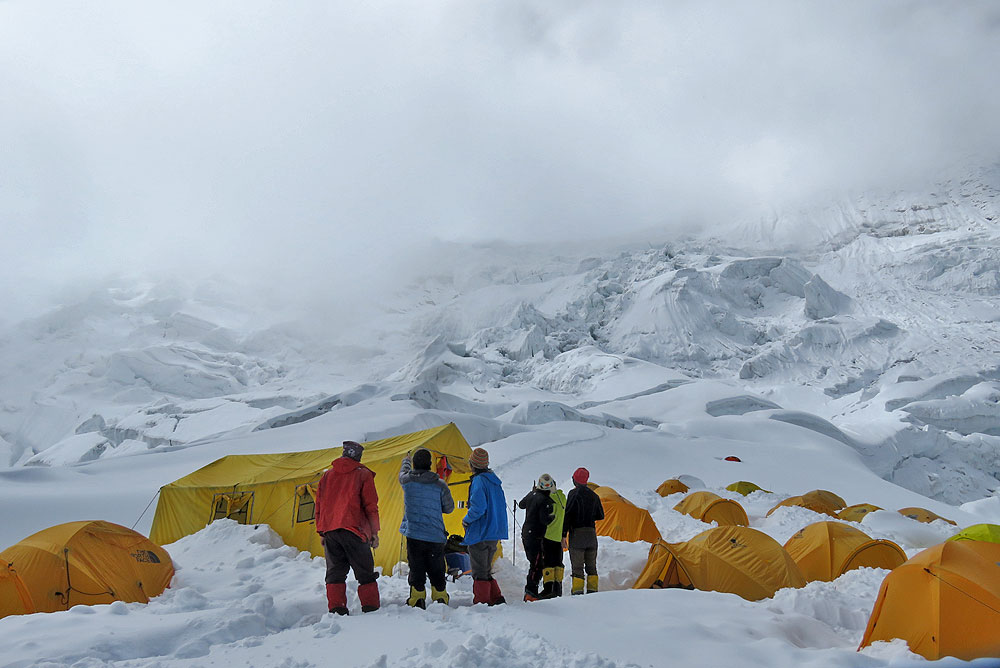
(485, 526)
(426, 498)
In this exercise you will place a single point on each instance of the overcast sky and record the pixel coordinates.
(220, 135)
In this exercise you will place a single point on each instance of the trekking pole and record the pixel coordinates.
(513, 515)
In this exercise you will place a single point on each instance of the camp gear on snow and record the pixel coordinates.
(733, 458)
(280, 490)
(456, 556)
(818, 501)
(671, 486)
(426, 499)
(945, 601)
(857, 512)
(985, 532)
(486, 514)
(923, 515)
(623, 520)
(733, 559)
(480, 459)
(346, 499)
(581, 476)
(81, 563)
(354, 450)
(743, 487)
(826, 550)
(709, 507)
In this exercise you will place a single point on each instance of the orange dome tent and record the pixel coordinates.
(945, 601)
(709, 507)
(731, 559)
(672, 486)
(88, 563)
(923, 515)
(826, 550)
(857, 512)
(818, 501)
(623, 520)
(14, 597)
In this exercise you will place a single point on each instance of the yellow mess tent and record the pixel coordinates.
(945, 601)
(857, 512)
(826, 550)
(743, 487)
(280, 490)
(85, 563)
(14, 596)
(985, 532)
(671, 486)
(818, 501)
(923, 515)
(709, 507)
(732, 559)
(623, 520)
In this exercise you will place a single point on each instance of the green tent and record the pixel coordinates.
(985, 532)
(743, 487)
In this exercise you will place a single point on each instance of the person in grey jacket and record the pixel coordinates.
(426, 499)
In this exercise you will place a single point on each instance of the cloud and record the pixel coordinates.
(319, 140)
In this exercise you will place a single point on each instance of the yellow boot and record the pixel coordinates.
(548, 583)
(577, 585)
(591, 584)
(440, 596)
(560, 574)
(418, 598)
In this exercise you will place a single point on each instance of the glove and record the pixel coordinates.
(565, 543)
(374, 542)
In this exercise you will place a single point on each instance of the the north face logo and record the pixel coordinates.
(145, 557)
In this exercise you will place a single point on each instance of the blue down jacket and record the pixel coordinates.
(486, 518)
(425, 498)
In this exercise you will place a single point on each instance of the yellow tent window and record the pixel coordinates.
(305, 503)
(233, 505)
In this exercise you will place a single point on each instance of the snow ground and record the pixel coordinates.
(864, 364)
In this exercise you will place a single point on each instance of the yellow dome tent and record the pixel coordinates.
(279, 490)
(945, 601)
(709, 507)
(623, 520)
(743, 487)
(826, 550)
(86, 563)
(989, 533)
(857, 512)
(818, 501)
(672, 486)
(923, 515)
(731, 559)
(14, 596)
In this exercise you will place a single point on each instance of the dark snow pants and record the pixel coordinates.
(346, 551)
(583, 551)
(481, 555)
(426, 562)
(536, 563)
(552, 553)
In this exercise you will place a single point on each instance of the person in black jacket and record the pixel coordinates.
(538, 514)
(583, 509)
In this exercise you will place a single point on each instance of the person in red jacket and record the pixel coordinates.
(347, 519)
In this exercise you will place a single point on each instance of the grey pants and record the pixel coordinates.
(481, 556)
(583, 551)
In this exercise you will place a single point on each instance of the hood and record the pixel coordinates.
(427, 477)
(345, 465)
(490, 477)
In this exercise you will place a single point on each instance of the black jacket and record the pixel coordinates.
(538, 515)
(583, 508)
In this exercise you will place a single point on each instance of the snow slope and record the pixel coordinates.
(861, 360)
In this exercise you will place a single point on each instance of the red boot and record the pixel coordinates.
(496, 598)
(368, 595)
(336, 597)
(481, 590)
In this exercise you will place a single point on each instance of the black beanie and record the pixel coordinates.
(422, 460)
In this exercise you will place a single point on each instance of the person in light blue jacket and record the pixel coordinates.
(426, 498)
(485, 526)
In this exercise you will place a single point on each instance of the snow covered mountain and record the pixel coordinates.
(852, 347)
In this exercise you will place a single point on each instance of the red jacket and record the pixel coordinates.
(346, 499)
